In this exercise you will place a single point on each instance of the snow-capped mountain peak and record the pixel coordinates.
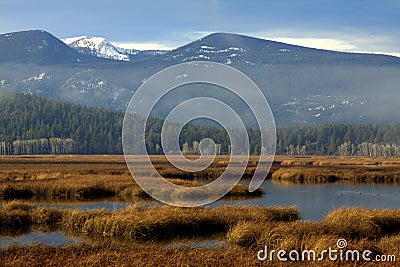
(101, 47)
(97, 46)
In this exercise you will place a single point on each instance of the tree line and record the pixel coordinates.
(35, 125)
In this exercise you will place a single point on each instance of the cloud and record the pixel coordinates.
(394, 54)
(144, 46)
(322, 43)
(346, 40)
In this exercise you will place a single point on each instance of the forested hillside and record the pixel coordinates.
(35, 125)
(31, 124)
(345, 140)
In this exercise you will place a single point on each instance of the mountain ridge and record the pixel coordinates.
(38, 46)
(91, 45)
(278, 50)
(303, 85)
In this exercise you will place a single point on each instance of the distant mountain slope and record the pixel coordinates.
(233, 48)
(38, 47)
(100, 47)
(303, 85)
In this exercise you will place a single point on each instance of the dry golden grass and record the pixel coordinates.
(390, 244)
(322, 169)
(165, 223)
(49, 178)
(336, 161)
(97, 187)
(322, 174)
(364, 223)
(138, 223)
(119, 235)
(14, 221)
(376, 230)
(92, 177)
(17, 217)
(245, 234)
(149, 255)
(82, 188)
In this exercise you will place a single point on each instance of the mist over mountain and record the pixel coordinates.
(303, 85)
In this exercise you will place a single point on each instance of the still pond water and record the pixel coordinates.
(313, 200)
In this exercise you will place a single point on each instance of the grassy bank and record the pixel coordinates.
(137, 223)
(97, 189)
(319, 169)
(324, 174)
(72, 178)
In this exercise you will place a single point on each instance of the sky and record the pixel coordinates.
(371, 26)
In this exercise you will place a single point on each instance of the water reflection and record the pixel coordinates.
(208, 243)
(58, 238)
(92, 205)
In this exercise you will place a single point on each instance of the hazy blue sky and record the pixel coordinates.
(364, 25)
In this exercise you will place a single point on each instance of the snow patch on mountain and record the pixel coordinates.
(97, 46)
(70, 40)
(38, 77)
(321, 105)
